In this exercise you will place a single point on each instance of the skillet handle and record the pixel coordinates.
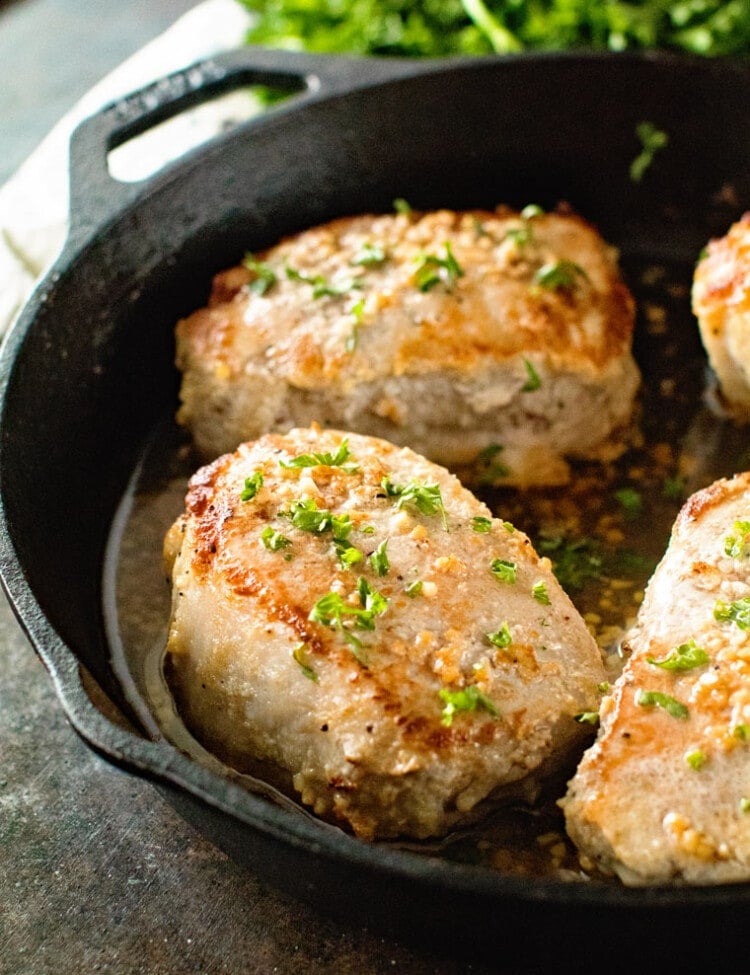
(96, 196)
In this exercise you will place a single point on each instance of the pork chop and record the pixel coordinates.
(664, 793)
(346, 610)
(497, 343)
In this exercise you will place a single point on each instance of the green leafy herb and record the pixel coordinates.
(674, 488)
(273, 540)
(369, 255)
(533, 382)
(489, 467)
(587, 717)
(253, 484)
(630, 501)
(539, 592)
(559, 275)
(501, 637)
(737, 546)
(347, 554)
(400, 205)
(420, 28)
(300, 656)
(414, 589)
(331, 610)
(744, 804)
(379, 559)
(265, 277)
(306, 516)
(574, 562)
(319, 284)
(426, 498)
(652, 140)
(339, 459)
(742, 732)
(503, 570)
(467, 699)
(696, 759)
(481, 525)
(737, 612)
(655, 699)
(686, 656)
(433, 269)
(357, 312)
(604, 687)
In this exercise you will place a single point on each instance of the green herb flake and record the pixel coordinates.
(331, 611)
(501, 637)
(369, 255)
(414, 589)
(489, 467)
(265, 277)
(741, 732)
(433, 269)
(306, 516)
(319, 284)
(426, 498)
(575, 562)
(655, 699)
(539, 592)
(481, 525)
(504, 570)
(587, 717)
(533, 381)
(467, 699)
(400, 205)
(604, 687)
(357, 311)
(687, 656)
(347, 554)
(300, 656)
(339, 459)
(559, 275)
(696, 759)
(737, 546)
(273, 540)
(744, 804)
(674, 488)
(630, 501)
(379, 561)
(737, 612)
(253, 484)
(530, 211)
(651, 140)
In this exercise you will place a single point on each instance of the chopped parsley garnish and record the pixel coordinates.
(331, 611)
(674, 488)
(539, 592)
(574, 563)
(489, 467)
(696, 759)
(306, 516)
(357, 312)
(652, 140)
(504, 570)
(587, 717)
(339, 459)
(686, 656)
(414, 588)
(559, 275)
(742, 732)
(400, 205)
(319, 284)
(744, 804)
(630, 501)
(433, 269)
(426, 498)
(533, 382)
(300, 656)
(481, 525)
(655, 699)
(379, 559)
(347, 554)
(530, 211)
(604, 687)
(467, 699)
(265, 277)
(737, 612)
(253, 484)
(501, 637)
(737, 546)
(273, 540)
(369, 255)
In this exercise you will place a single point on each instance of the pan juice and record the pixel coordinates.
(604, 533)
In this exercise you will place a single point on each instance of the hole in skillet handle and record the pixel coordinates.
(107, 150)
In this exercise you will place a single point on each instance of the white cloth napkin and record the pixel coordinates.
(34, 202)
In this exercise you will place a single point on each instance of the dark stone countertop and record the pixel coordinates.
(98, 873)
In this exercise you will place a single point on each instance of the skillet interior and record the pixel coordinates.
(87, 371)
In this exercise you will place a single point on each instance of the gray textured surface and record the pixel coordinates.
(97, 872)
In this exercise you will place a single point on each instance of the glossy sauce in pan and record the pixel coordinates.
(604, 533)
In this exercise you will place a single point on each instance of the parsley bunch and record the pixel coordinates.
(433, 28)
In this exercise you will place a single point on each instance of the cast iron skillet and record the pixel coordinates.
(87, 370)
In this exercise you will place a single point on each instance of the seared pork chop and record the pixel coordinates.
(346, 610)
(664, 793)
(498, 338)
(721, 302)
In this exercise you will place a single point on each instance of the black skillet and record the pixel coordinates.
(87, 373)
